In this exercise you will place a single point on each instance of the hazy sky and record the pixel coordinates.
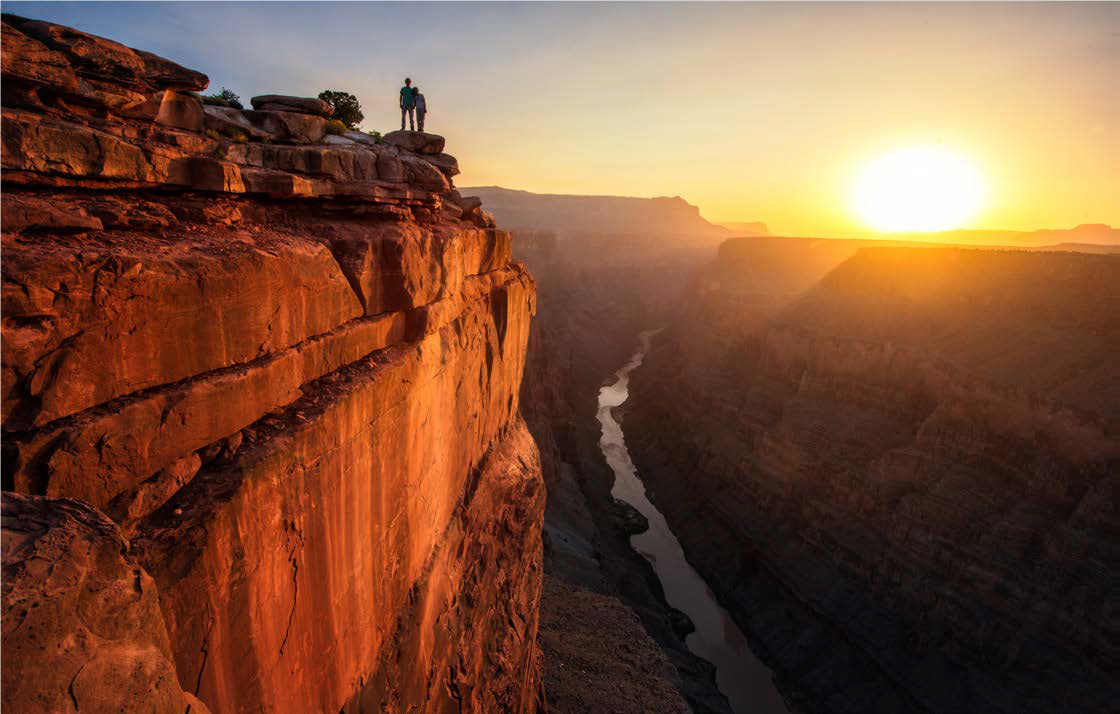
(753, 111)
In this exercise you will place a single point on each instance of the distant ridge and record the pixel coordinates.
(750, 228)
(1085, 234)
(562, 213)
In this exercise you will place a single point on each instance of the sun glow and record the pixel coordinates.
(918, 189)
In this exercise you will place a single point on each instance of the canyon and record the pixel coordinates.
(900, 475)
(262, 446)
(290, 424)
(857, 343)
(597, 291)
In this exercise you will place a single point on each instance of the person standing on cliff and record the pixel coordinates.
(408, 105)
(421, 108)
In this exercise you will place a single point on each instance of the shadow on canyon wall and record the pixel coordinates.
(900, 472)
(597, 291)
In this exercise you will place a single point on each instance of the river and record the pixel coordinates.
(744, 680)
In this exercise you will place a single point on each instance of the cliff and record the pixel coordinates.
(903, 482)
(261, 391)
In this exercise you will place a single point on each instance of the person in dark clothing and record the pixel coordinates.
(408, 105)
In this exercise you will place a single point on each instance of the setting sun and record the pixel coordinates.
(918, 189)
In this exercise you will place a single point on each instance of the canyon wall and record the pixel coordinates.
(904, 481)
(262, 438)
(596, 292)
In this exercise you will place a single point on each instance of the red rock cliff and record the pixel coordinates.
(286, 363)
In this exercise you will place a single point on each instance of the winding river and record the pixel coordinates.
(743, 679)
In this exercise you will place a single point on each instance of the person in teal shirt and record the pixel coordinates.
(408, 105)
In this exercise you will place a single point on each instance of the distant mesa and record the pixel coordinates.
(595, 214)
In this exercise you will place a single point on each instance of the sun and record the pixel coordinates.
(920, 189)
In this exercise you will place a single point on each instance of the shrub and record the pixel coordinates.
(375, 134)
(346, 107)
(334, 126)
(224, 98)
(213, 134)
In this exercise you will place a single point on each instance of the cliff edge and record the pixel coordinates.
(260, 388)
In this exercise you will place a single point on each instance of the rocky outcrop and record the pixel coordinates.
(288, 372)
(417, 141)
(891, 470)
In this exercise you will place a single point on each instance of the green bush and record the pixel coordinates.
(334, 126)
(375, 134)
(346, 107)
(213, 134)
(224, 98)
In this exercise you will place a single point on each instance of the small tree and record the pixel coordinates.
(224, 98)
(346, 107)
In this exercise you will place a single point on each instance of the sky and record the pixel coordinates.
(752, 111)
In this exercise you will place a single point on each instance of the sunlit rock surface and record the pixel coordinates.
(289, 372)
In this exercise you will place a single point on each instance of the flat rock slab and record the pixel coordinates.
(300, 105)
(416, 141)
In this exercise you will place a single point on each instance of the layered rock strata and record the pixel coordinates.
(289, 372)
(904, 483)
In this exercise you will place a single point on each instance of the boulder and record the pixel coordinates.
(289, 125)
(81, 619)
(446, 163)
(416, 141)
(470, 204)
(485, 219)
(362, 138)
(338, 140)
(227, 120)
(297, 105)
(423, 174)
(181, 111)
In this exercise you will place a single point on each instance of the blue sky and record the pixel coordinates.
(751, 110)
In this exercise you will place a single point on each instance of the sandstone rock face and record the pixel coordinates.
(418, 141)
(291, 379)
(892, 469)
(289, 125)
(82, 626)
(225, 120)
(181, 111)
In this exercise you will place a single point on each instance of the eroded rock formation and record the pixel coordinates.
(905, 483)
(289, 372)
